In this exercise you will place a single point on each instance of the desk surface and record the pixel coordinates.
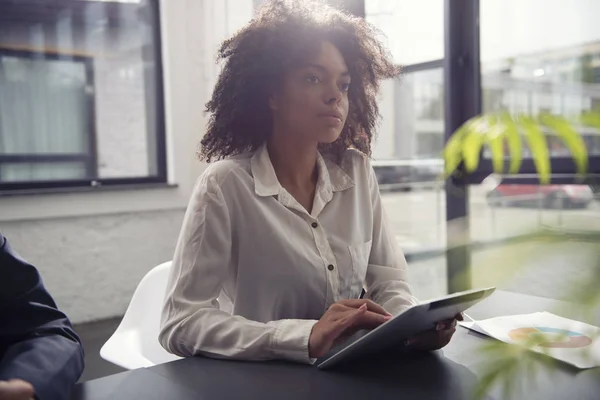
(447, 374)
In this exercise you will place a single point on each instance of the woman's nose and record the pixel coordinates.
(333, 96)
(332, 100)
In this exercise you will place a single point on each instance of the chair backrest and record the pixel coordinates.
(135, 342)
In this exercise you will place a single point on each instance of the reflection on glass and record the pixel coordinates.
(547, 62)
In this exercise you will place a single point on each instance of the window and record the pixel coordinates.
(80, 94)
(596, 74)
(418, 116)
(44, 118)
(535, 68)
(410, 137)
(407, 152)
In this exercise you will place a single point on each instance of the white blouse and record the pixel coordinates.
(253, 271)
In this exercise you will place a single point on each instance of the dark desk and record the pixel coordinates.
(447, 374)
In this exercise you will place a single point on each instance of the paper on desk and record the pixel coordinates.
(573, 342)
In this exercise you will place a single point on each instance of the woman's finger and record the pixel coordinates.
(340, 320)
(445, 336)
(339, 311)
(369, 320)
(430, 340)
(361, 319)
(371, 305)
(451, 325)
(423, 340)
(352, 315)
(448, 324)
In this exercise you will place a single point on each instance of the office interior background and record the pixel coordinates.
(101, 111)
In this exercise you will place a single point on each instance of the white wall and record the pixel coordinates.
(92, 264)
(93, 248)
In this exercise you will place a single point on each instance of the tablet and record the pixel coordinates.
(414, 320)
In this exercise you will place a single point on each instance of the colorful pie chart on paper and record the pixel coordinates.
(551, 337)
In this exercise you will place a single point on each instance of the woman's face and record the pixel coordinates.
(312, 103)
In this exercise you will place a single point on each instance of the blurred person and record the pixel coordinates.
(40, 355)
(288, 224)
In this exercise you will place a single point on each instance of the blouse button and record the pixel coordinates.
(314, 224)
(330, 267)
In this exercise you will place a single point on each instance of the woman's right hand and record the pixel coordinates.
(342, 318)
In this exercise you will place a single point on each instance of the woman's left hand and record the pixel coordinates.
(436, 338)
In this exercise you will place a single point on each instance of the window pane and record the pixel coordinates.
(41, 171)
(79, 79)
(412, 109)
(505, 210)
(414, 30)
(499, 212)
(547, 62)
(42, 106)
(407, 162)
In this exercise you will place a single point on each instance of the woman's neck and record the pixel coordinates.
(294, 163)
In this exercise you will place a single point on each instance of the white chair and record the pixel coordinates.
(135, 342)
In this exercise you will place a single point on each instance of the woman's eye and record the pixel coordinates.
(312, 79)
(344, 87)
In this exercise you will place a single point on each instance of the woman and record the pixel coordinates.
(288, 226)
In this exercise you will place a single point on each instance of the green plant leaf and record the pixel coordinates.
(493, 375)
(590, 119)
(538, 146)
(499, 371)
(453, 151)
(515, 145)
(495, 141)
(508, 388)
(570, 137)
(476, 131)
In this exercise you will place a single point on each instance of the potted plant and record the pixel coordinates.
(504, 135)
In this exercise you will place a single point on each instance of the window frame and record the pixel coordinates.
(161, 177)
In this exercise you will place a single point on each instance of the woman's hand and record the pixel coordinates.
(341, 318)
(436, 338)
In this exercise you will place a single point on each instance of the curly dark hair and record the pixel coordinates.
(283, 34)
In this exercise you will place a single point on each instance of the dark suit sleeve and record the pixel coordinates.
(37, 341)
